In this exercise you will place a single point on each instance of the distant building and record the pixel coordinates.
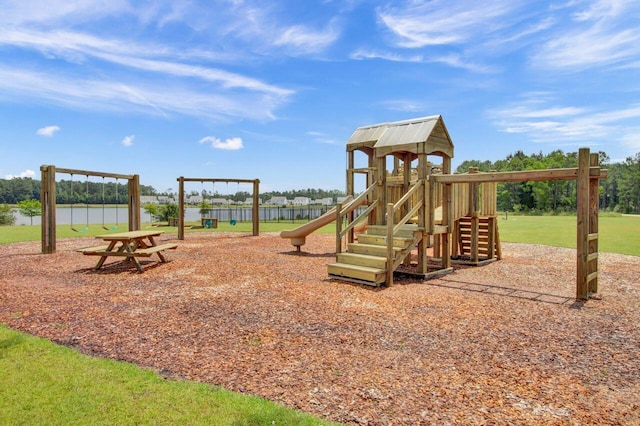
(301, 201)
(278, 201)
(148, 199)
(194, 199)
(249, 201)
(328, 201)
(163, 199)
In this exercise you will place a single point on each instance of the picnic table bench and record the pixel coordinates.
(130, 245)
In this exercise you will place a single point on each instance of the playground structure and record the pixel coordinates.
(48, 200)
(254, 208)
(419, 206)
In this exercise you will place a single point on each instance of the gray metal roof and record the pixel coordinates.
(419, 136)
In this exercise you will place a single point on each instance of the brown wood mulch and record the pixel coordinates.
(501, 344)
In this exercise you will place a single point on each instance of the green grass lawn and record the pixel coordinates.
(617, 234)
(43, 383)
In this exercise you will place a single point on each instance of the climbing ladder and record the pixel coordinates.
(477, 240)
(365, 261)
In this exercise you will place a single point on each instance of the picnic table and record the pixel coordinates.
(130, 245)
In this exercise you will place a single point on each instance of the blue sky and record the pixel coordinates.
(274, 89)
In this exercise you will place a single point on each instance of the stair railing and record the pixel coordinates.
(393, 229)
(343, 211)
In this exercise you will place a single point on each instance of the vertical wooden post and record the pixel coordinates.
(423, 174)
(390, 253)
(134, 203)
(48, 208)
(181, 208)
(351, 190)
(381, 190)
(582, 231)
(473, 211)
(447, 204)
(594, 199)
(491, 240)
(338, 229)
(255, 211)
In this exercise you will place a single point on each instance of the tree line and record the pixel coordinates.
(89, 192)
(620, 192)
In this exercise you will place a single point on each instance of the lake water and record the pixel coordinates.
(82, 215)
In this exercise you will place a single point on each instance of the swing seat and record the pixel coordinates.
(85, 229)
(232, 222)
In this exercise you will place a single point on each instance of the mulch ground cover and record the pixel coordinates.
(501, 344)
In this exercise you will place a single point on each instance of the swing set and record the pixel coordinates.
(232, 221)
(48, 201)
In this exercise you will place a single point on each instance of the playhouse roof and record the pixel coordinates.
(426, 135)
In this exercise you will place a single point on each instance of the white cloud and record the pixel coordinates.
(405, 105)
(544, 123)
(26, 174)
(264, 26)
(47, 131)
(439, 22)
(128, 140)
(155, 97)
(604, 33)
(76, 46)
(231, 144)
(306, 40)
(321, 137)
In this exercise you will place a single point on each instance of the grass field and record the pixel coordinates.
(617, 234)
(43, 383)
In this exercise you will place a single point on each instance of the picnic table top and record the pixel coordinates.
(130, 235)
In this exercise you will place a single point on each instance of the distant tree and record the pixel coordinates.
(6, 215)
(205, 207)
(30, 208)
(167, 210)
(151, 210)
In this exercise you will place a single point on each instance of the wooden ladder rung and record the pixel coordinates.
(592, 256)
(592, 276)
(592, 237)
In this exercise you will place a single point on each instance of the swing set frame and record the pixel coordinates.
(255, 218)
(48, 200)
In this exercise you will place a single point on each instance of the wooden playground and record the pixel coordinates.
(413, 207)
(414, 216)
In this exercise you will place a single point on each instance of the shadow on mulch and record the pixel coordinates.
(307, 254)
(121, 267)
(515, 293)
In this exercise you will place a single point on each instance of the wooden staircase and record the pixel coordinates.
(488, 242)
(365, 261)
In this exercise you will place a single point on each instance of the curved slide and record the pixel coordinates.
(298, 235)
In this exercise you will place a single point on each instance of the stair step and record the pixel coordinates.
(381, 240)
(362, 260)
(370, 249)
(372, 276)
(407, 231)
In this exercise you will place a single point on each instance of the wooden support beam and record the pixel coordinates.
(48, 208)
(582, 248)
(592, 249)
(523, 176)
(181, 208)
(134, 203)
